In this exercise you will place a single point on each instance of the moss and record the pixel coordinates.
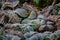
(1, 5)
(46, 39)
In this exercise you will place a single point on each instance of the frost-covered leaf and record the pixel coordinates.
(53, 36)
(25, 21)
(41, 17)
(57, 32)
(21, 12)
(32, 15)
(33, 38)
(29, 34)
(47, 34)
(13, 37)
(34, 26)
(40, 36)
(50, 26)
(28, 29)
(49, 23)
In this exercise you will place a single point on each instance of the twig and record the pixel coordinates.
(54, 2)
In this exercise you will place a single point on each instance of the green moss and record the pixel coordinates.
(22, 1)
(1, 4)
(46, 39)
